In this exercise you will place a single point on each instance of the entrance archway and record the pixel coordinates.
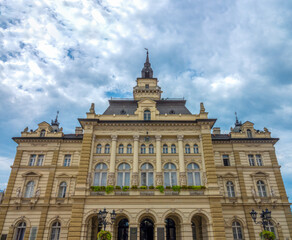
(93, 228)
(199, 227)
(170, 229)
(146, 229)
(123, 229)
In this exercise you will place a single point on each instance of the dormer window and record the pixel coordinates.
(147, 86)
(171, 112)
(123, 112)
(43, 133)
(147, 115)
(249, 134)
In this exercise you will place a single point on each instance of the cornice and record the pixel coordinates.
(45, 139)
(246, 140)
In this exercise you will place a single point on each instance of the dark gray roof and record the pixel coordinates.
(130, 106)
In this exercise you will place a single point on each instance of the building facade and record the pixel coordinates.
(166, 172)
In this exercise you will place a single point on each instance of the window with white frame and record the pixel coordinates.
(129, 149)
(98, 148)
(187, 149)
(230, 189)
(32, 160)
(123, 175)
(251, 160)
(165, 148)
(121, 148)
(55, 231)
(151, 149)
(147, 174)
(237, 231)
(259, 160)
(173, 148)
(62, 190)
(226, 161)
(20, 231)
(40, 160)
(100, 175)
(107, 149)
(194, 175)
(270, 227)
(67, 160)
(29, 190)
(33, 233)
(196, 148)
(143, 149)
(261, 188)
(147, 115)
(170, 175)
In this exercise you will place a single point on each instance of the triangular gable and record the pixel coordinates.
(31, 174)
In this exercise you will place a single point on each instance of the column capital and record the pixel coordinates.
(180, 137)
(136, 137)
(114, 137)
(158, 137)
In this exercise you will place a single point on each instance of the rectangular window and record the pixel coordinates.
(3, 236)
(259, 160)
(67, 160)
(40, 160)
(226, 161)
(32, 160)
(251, 160)
(33, 233)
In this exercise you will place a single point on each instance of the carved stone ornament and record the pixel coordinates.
(158, 137)
(111, 179)
(180, 137)
(135, 179)
(92, 110)
(114, 137)
(205, 180)
(37, 193)
(18, 192)
(159, 179)
(136, 137)
(182, 179)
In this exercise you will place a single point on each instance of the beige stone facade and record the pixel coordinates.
(146, 141)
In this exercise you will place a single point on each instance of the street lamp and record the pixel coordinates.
(265, 216)
(102, 217)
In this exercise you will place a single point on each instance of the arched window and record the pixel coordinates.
(170, 174)
(100, 175)
(43, 133)
(237, 231)
(270, 227)
(143, 149)
(124, 175)
(194, 231)
(173, 148)
(261, 188)
(194, 176)
(129, 149)
(170, 229)
(55, 231)
(147, 174)
(165, 149)
(230, 189)
(98, 148)
(20, 231)
(151, 149)
(249, 134)
(29, 189)
(62, 190)
(147, 115)
(107, 148)
(121, 148)
(187, 149)
(196, 148)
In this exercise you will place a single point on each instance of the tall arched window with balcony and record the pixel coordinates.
(55, 231)
(147, 174)
(165, 148)
(187, 149)
(143, 149)
(129, 149)
(107, 149)
(20, 231)
(173, 149)
(196, 148)
(147, 115)
(151, 149)
(100, 175)
(123, 175)
(170, 175)
(121, 148)
(98, 148)
(237, 231)
(194, 175)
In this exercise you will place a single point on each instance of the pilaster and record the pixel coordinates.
(135, 177)
(159, 179)
(182, 171)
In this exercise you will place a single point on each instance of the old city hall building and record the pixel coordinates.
(166, 172)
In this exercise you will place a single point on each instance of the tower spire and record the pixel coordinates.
(147, 71)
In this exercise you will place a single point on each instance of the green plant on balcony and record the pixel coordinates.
(267, 235)
(160, 188)
(118, 187)
(109, 189)
(134, 187)
(125, 188)
(151, 187)
(168, 187)
(176, 188)
(143, 187)
(184, 187)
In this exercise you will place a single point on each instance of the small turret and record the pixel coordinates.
(147, 71)
(55, 124)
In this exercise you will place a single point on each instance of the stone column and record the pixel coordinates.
(158, 161)
(135, 179)
(182, 171)
(111, 174)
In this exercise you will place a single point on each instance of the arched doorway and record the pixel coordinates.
(146, 229)
(170, 229)
(93, 228)
(123, 229)
(199, 227)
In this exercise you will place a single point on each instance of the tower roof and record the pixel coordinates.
(147, 71)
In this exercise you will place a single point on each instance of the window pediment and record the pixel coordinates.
(31, 174)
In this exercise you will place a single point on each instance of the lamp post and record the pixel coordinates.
(102, 217)
(265, 216)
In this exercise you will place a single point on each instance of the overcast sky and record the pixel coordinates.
(235, 56)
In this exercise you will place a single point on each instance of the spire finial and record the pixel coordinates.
(236, 118)
(147, 56)
(57, 116)
(147, 71)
